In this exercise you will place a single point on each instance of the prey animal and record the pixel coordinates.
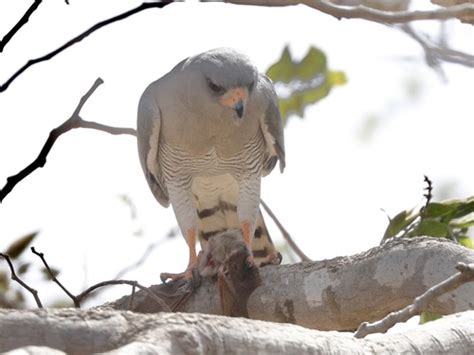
(225, 257)
(207, 132)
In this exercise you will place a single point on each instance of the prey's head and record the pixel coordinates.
(227, 79)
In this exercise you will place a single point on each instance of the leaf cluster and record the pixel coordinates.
(302, 83)
(448, 219)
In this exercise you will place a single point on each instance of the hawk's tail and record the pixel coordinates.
(223, 216)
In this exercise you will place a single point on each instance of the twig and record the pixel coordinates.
(54, 278)
(428, 195)
(83, 295)
(140, 261)
(75, 121)
(367, 13)
(285, 233)
(436, 54)
(420, 304)
(144, 6)
(130, 303)
(429, 190)
(158, 300)
(24, 285)
(23, 20)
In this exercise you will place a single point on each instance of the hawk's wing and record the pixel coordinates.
(272, 128)
(148, 137)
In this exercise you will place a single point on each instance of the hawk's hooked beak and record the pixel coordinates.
(236, 98)
(239, 108)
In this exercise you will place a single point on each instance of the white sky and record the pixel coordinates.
(331, 194)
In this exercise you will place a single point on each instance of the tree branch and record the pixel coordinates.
(14, 277)
(435, 54)
(161, 304)
(54, 278)
(80, 37)
(420, 303)
(83, 295)
(94, 331)
(341, 293)
(23, 20)
(369, 14)
(285, 233)
(141, 260)
(75, 121)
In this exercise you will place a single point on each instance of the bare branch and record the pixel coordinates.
(130, 304)
(420, 303)
(17, 279)
(108, 129)
(435, 54)
(23, 20)
(140, 261)
(285, 233)
(83, 295)
(144, 6)
(54, 278)
(75, 121)
(369, 14)
(429, 190)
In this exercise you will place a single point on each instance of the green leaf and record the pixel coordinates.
(46, 274)
(283, 70)
(429, 316)
(448, 210)
(431, 227)
(399, 222)
(4, 282)
(20, 245)
(465, 241)
(299, 84)
(463, 222)
(440, 209)
(23, 268)
(466, 207)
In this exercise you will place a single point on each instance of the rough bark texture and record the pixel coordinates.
(121, 332)
(332, 294)
(341, 293)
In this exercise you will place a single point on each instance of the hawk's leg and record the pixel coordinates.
(188, 273)
(182, 202)
(248, 237)
(247, 209)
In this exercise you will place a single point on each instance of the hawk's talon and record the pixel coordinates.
(186, 276)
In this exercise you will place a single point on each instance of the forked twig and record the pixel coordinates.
(53, 276)
(75, 121)
(83, 295)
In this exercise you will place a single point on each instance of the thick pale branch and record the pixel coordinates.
(341, 293)
(92, 331)
(369, 14)
(420, 304)
(75, 121)
(80, 37)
